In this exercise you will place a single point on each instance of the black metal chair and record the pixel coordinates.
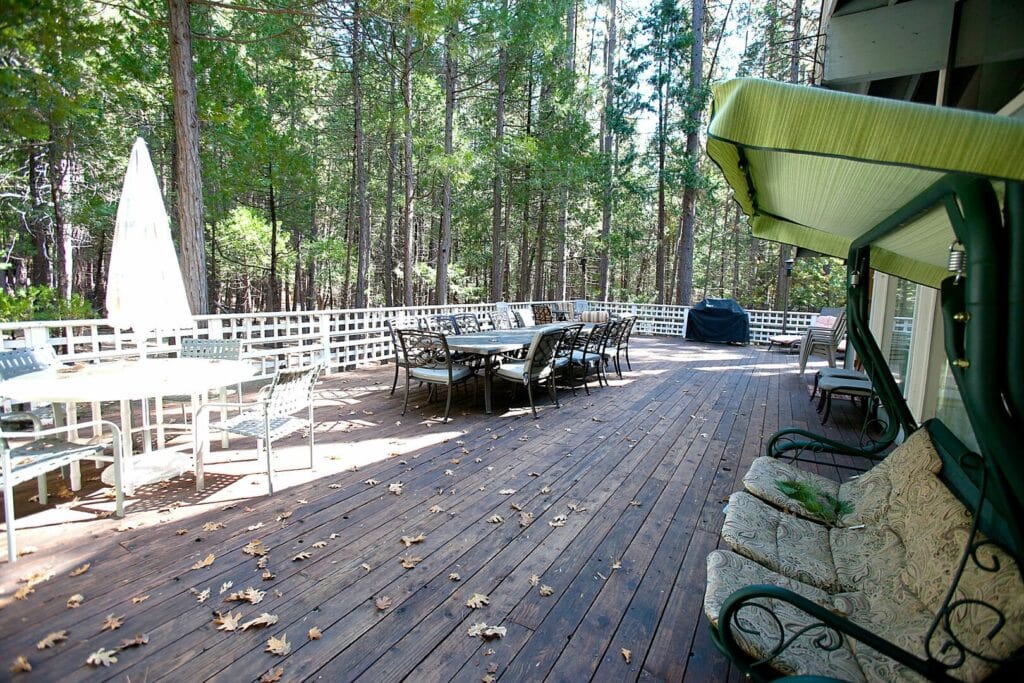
(428, 360)
(466, 323)
(396, 348)
(588, 357)
(563, 356)
(500, 320)
(542, 314)
(618, 343)
(538, 366)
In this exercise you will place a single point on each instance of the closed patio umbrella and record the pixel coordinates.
(145, 291)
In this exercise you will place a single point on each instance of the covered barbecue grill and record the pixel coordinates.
(718, 320)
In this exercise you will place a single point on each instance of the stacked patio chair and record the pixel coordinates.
(542, 314)
(588, 356)
(272, 416)
(428, 360)
(537, 367)
(618, 343)
(825, 335)
(563, 356)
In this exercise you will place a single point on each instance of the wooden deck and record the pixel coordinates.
(626, 489)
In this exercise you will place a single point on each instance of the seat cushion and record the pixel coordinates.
(583, 356)
(440, 375)
(594, 317)
(515, 372)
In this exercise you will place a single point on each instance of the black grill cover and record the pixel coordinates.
(718, 320)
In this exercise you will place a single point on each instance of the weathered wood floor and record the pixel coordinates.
(625, 488)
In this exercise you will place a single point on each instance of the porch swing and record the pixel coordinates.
(918, 571)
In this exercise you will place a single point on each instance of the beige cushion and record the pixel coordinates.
(594, 317)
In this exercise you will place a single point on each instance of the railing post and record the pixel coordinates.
(324, 324)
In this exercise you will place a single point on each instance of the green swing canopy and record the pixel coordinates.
(819, 169)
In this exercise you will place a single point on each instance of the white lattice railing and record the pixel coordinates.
(344, 338)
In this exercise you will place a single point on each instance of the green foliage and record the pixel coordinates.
(824, 506)
(42, 303)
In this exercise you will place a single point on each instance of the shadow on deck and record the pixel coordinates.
(610, 504)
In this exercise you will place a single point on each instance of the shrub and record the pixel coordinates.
(42, 303)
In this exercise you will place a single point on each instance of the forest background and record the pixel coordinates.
(364, 153)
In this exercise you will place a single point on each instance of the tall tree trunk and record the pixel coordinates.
(56, 169)
(363, 266)
(409, 208)
(444, 246)
(523, 291)
(389, 202)
(608, 153)
(187, 171)
(39, 230)
(711, 249)
(560, 292)
(785, 251)
(684, 253)
(538, 273)
(497, 234)
(662, 248)
(272, 286)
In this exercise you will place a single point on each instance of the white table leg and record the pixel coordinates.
(161, 432)
(200, 440)
(224, 414)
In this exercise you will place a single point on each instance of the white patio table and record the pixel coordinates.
(128, 380)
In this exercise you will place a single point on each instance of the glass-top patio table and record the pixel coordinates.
(492, 342)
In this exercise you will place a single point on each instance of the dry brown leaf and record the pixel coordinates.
(304, 555)
(36, 577)
(410, 540)
(372, 482)
(272, 676)
(525, 519)
(320, 544)
(255, 548)
(334, 486)
(75, 600)
(112, 622)
(435, 509)
(20, 664)
(635, 503)
(496, 519)
(262, 562)
(365, 566)
(410, 562)
(227, 622)
(477, 600)
(506, 492)
(493, 632)
(80, 570)
(205, 562)
(516, 506)
(314, 633)
(180, 532)
(396, 488)
(254, 527)
(492, 668)
(534, 580)
(136, 599)
(383, 603)
(128, 525)
(213, 526)
(454, 577)
(226, 586)
(285, 515)
(52, 639)
(575, 507)
(278, 646)
(268, 575)
(627, 655)
(140, 639)
(262, 620)
(545, 591)
(250, 595)
(478, 460)
(476, 629)
(487, 678)
(617, 564)
(449, 473)
(558, 521)
(546, 489)
(23, 592)
(102, 657)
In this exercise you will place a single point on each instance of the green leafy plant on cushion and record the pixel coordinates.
(824, 506)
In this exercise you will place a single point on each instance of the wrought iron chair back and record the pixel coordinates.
(541, 354)
(542, 314)
(428, 359)
(517, 318)
(500, 320)
(445, 324)
(466, 323)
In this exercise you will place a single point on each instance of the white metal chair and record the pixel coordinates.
(213, 349)
(538, 366)
(17, 362)
(825, 338)
(272, 416)
(45, 452)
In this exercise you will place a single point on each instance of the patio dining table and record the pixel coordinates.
(493, 342)
(125, 381)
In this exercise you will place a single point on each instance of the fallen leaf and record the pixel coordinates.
(250, 595)
(285, 515)
(278, 646)
(576, 507)
(314, 633)
(102, 658)
(454, 577)
(477, 600)
(75, 600)
(255, 548)
(525, 519)
(139, 598)
(20, 664)
(487, 678)
(272, 676)
(304, 555)
(23, 592)
(545, 591)
(478, 460)
(213, 526)
(268, 575)
(262, 562)
(227, 622)
(493, 632)
(373, 482)
(410, 540)
(254, 527)
(617, 564)
(534, 474)
(534, 580)
(627, 655)
(113, 623)
(262, 620)
(435, 509)
(558, 521)
(364, 566)
(80, 570)
(506, 492)
(496, 519)
(52, 639)
(128, 526)
(410, 562)
(546, 489)
(320, 544)
(383, 602)
(180, 532)
(396, 488)
(334, 486)
(205, 562)
(140, 639)
(516, 506)
(226, 586)
(635, 503)
(302, 501)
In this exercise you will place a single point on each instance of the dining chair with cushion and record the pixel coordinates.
(396, 348)
(445, 324)
(563, 356)
(537, 367)
(500, 320)
(542, 314)
(428, 360)
(273, 415)
(44, 450)
(466, 323)
(619, 344)
(588, 357)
